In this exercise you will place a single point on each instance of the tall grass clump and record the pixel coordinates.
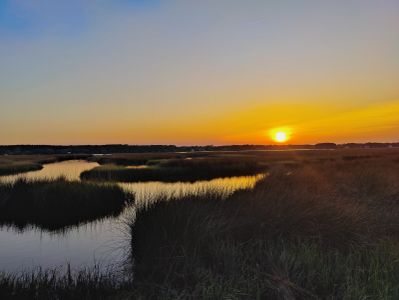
(16, 168)
(313, 233)
(174, 170)
(54, 204)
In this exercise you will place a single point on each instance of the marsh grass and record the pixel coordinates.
(174, 170)
(56, 284)
(320, 226)
(313, 234)
(16, 168)
(134, 159)
(54, 204)
(16, 164)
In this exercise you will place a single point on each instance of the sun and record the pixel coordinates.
(280, 135)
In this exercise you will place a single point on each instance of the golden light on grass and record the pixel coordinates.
(280, 135)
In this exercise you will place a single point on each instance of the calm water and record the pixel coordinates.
(103, 242)
(70, 169)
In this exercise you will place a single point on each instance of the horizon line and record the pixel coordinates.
(192, 145)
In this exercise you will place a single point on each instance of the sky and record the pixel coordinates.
(198, 72)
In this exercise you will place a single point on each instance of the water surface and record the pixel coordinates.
(104, 242)
(70, 169)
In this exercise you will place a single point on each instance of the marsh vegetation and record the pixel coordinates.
(64, 285)
(16, 164)
(324, 231)
(174, 170)
(321, 225)
(57, 203)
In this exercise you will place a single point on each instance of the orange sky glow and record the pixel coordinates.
(198, 73)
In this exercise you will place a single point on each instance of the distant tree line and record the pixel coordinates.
(108, 149)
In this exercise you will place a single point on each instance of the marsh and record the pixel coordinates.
(55, 230)
(252, 236)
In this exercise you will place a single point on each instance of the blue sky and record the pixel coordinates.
(33, 18)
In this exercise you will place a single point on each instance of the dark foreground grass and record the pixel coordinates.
(54, 284)
(178, 170)
(319, 233)
(278, 269)
(54, 204)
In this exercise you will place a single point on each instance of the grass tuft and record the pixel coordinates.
(54, 204)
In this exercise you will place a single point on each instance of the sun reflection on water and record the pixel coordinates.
(148, 192)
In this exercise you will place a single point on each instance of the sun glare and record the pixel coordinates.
(280, 135)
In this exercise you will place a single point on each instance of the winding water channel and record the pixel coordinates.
(104, 243)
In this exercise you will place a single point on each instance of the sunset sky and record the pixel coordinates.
(198, 72)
